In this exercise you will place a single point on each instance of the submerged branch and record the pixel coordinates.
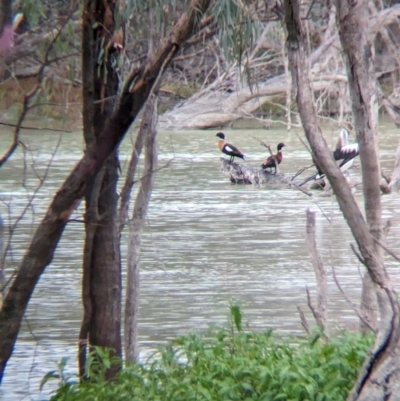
(244, 174)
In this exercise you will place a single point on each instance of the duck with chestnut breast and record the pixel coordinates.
(270, 162)
(343, 153)
(228, 148)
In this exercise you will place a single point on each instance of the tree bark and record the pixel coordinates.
(136, 226)
(101, 292)
(105, 274)
(46, 237)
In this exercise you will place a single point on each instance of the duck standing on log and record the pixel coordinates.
(270, 162)
(344, 152)
(227, 148)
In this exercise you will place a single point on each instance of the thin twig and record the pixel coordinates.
(314, 312)
(35, 128)
(12, 227)
(305, 145)
(301, 171)
(311, 177)
(301, 189)
(357, 254)
(263, 144)
(303, 320)
(391, 253)
(167, 164)
(36, 347)
(309, 10)
(316, 203)
(353, 306)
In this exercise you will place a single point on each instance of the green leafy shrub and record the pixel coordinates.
(229, 364)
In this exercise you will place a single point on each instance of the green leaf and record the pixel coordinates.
(237, 317)
(48, 376)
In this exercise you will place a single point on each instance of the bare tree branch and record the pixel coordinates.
(303, 320)
(353, 305)
(319, 271)
(35, 128)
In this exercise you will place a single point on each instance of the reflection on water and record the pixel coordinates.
(206, 242)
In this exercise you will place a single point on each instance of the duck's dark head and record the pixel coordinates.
(280, 146)
(221, 135)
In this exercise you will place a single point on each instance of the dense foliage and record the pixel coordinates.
(228, 365)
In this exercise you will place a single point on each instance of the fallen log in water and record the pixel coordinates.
(244, 174)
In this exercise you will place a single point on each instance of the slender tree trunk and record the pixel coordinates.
(136, 225)
(147, 134)
(379, 375)
(321, 311)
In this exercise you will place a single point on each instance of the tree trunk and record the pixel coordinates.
(136, 225)
(101, 290)
(379, 361)
(369, 304)
(353, 20)
(105, 272)
(46, 237)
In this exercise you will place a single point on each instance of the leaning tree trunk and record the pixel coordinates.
(380, 361)
(44, 242)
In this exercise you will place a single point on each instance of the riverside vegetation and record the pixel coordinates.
(228, 364)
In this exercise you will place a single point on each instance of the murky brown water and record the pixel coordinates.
(207, 242)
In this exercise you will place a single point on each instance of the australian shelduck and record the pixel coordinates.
(227, 148)
(270, 162)
(343, 153)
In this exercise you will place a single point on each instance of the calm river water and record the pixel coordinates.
(207, 242)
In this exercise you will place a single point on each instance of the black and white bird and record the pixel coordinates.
(228, 148)
(344, 152)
